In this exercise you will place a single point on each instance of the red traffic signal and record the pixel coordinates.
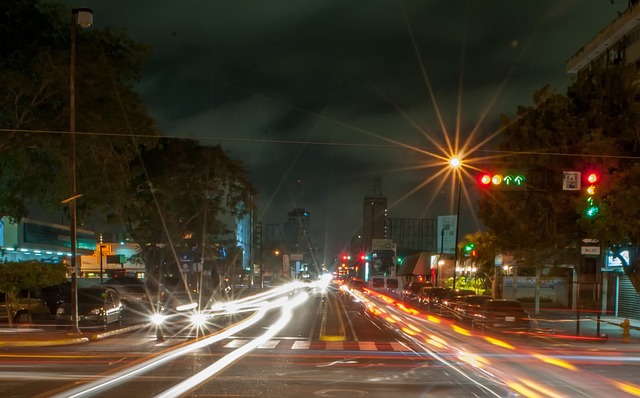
(485, 179)
(592, 208)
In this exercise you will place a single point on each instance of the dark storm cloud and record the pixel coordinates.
(346, 72)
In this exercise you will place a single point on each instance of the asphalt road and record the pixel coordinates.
(284, 351)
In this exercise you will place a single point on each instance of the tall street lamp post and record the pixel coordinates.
(456, 163)
(84, 18)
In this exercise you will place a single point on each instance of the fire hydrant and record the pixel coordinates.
(625, 330)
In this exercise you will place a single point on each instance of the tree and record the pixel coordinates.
(30, 275)
(609, 101)
(595, 126)
(536, 225)
(34, 111)
(183, 202)
(482, 255)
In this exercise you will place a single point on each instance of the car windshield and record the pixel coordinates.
(505, 305)
(477, 299)
(91, 296)
(134, 289)
(293, 198)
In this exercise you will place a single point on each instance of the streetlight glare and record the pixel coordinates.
(455, 162)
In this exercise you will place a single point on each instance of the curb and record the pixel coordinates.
(44, 343)
(72, 339)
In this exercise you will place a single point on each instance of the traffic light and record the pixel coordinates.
(468, 249)
(592, 179)
(502, 181)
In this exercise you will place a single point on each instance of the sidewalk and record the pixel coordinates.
(37, 336)
(585, 326)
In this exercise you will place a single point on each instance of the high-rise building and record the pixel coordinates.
(374, 218)
(617, 43)
(296, 230)
(412, 235)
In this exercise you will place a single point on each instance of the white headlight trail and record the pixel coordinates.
(253, 300)
(222, 363)
(112, 380)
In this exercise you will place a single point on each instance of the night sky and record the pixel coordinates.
(317, 98)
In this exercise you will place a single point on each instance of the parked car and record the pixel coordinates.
(133, 296)
(413, 289)
(502, 314)
(25, 309)
(431, 297)
(56, 295)
(97, 306)
(467, 307)
(450, 298)
(124, 280)
(391, 285)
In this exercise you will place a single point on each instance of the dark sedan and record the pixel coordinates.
(97, 306)
(502, 314)
(467, 307)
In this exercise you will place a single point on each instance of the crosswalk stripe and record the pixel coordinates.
(399, 347)
(367, 346)
(334, 345)
(300, 345)
(236, 343)
(269, 344)
(277, 344)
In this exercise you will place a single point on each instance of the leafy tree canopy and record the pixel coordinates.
(34, 110)
(185, 199)
(595, 126)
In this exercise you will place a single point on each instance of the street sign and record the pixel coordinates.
(590, 250)
(571, 180)
(382, 244)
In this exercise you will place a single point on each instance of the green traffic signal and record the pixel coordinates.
(468, 248)
(592, 211)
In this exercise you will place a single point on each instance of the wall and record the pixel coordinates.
(556, 289)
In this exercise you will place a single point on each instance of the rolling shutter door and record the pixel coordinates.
(628, 299)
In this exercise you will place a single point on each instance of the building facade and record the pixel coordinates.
(413, 235)
(374, 216)
(616, 43)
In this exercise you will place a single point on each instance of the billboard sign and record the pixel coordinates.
(446, 234)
